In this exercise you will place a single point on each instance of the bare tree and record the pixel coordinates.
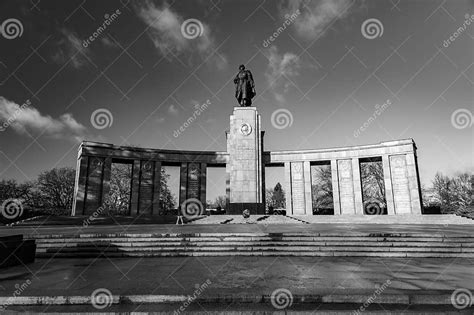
(373, 187)
(321, 189)
(453, 195)
(57, 187)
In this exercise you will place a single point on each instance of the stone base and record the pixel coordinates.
(254, 208)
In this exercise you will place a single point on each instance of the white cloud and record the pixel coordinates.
(26, 119)
(165, 32)
(107, 42)
(316, 16)
(70, 48)
(173, 110)
(281, 68)
(160, 120)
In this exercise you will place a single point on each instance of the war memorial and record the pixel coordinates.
(365, 257)
(245, 161)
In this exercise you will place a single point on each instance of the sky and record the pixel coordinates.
(328, 67)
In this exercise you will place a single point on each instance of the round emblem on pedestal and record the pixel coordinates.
(246, 129)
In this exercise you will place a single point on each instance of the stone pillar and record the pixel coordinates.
(94, 185)
(287, 188)
(183, 182)
(400, 184)
(307, 188)
(244, 145)
(413, 183)
(387, 180)
(358, 204)
(335, 188)
(106, 181)
(227, 187)
(80, 186)
(145, 203)
(346, 186)
(157, 189)
(297, 188)
(134, 200)
(202, 184)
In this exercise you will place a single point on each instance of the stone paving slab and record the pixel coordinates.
(241, 276)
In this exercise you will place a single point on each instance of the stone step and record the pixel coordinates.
(263, 239)
(270, 253)
(343, 219)
(258, 249)
(301, 243)
(220, 235)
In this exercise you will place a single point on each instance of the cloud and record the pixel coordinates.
(107, 42)
(281, 68)
(316, 16)
(26, 119)
(165, 32)
(70, 48)
(173, 110)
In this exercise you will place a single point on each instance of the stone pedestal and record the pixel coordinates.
(245, 146)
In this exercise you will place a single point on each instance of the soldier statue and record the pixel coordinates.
(244, 87)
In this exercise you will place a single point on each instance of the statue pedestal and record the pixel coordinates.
(245, 168)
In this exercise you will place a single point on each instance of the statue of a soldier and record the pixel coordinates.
(244, 87)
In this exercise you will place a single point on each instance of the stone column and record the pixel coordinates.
(413, 183)
(307, 188)
(134, 200)
(244, 145)
(346, 186)
(106, 182)
(157, 189)
(145, 204)
(227, 187)
(94, 185)
(359, 206)
(183, 182)
(400, 184)
(297, 188)
(387, 179)
(287, 188)
(202, 184)
(80, 186)
(335, 188)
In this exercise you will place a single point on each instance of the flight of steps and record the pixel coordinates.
(256, 244)
(440, 219)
